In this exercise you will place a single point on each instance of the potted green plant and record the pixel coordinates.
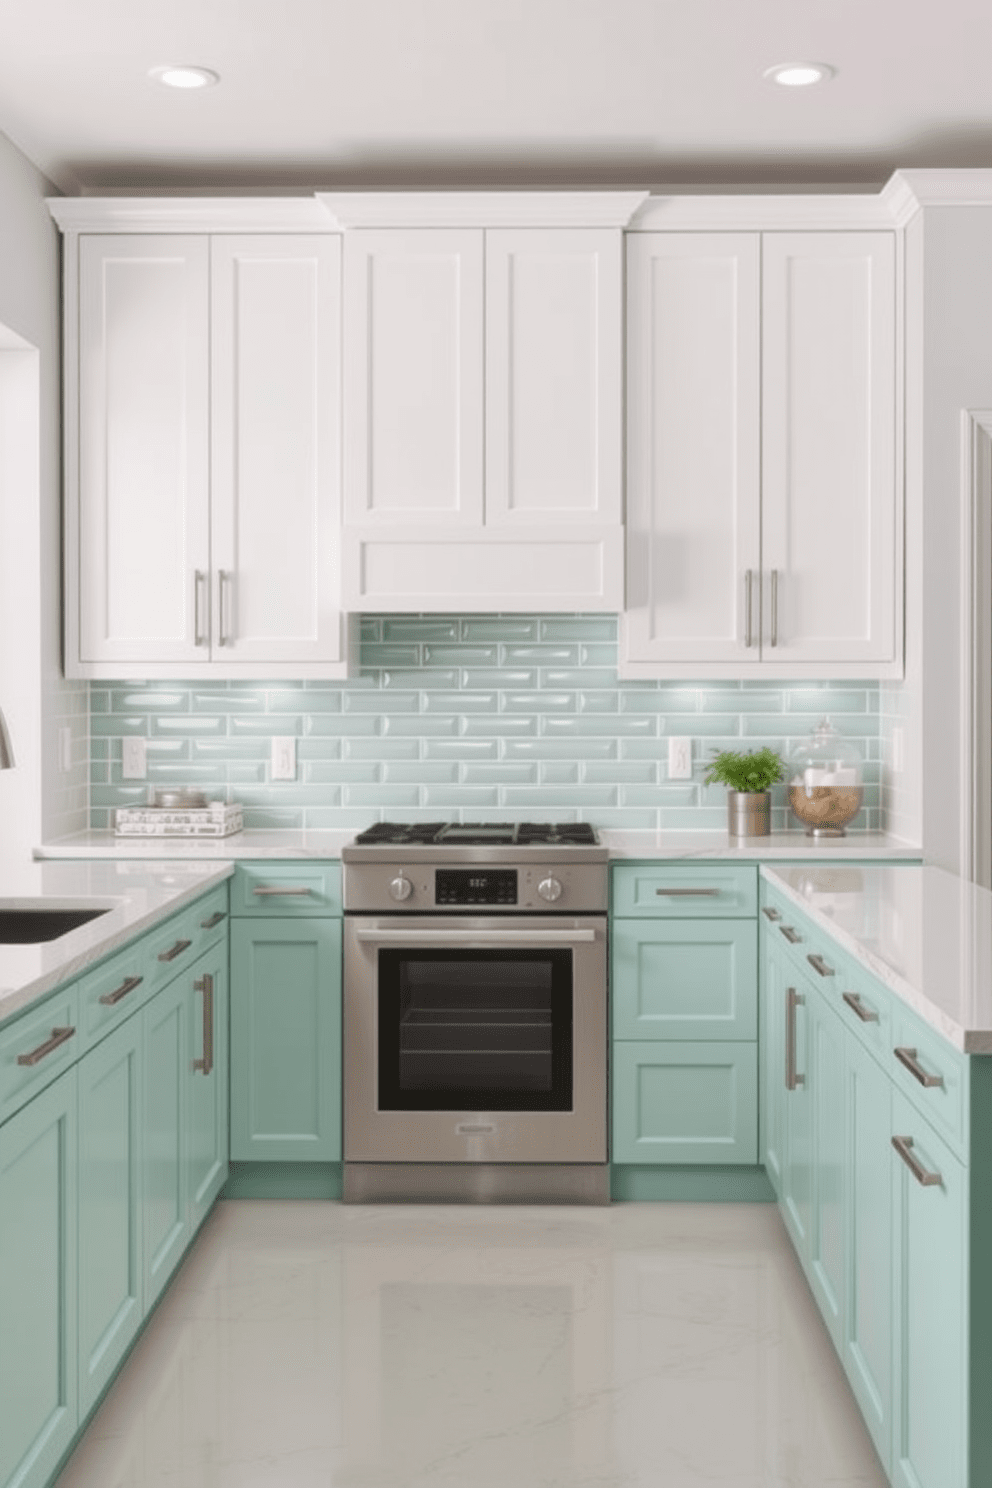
(748, 778)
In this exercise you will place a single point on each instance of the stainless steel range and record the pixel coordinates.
(475, 1014)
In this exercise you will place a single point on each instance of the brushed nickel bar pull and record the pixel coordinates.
(688, 893)
(904, 1147)
(793, 999)
(174, 951)
(214, 919)
(225, 580)
(263, 891)
(110, 999)
(791, 935)
(771, 912)
(909, 1059)
(199, 587)
(819, 965)
(774, 623)
(748, 591)
(205, 984)
(476, 938)
(853, 1000)
(59, 1036)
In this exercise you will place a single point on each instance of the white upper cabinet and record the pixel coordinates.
(203, 474)
(762, 506)
(483, 398)
(142, 519)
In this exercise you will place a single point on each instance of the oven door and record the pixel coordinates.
(475, 1039)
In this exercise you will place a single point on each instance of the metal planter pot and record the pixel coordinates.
(749, 813)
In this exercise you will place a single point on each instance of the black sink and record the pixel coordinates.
(30, 926)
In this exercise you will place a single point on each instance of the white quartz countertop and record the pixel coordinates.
(924, 933)
(328, 844)
(136, 895)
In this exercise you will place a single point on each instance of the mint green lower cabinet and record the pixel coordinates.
(110, 1295)
(38, 1378)
(286, 1040)
(772, 1045)
(683, 1102)
(166, 1229)
(866, 1348)
(684, 979)
(207, 1089)
(827, 1238)
(930, 1322)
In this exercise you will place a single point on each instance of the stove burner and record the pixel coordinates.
(494, 834)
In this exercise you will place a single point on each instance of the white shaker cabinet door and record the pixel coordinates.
(275, 398)
(693, 473)
(143, 522)
(554, 376)
(413, 399)
(828, 448)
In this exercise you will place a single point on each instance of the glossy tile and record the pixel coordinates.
(310, 1345)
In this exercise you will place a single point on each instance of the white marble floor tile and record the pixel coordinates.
(312, 1345)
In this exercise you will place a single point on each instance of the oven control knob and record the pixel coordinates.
(401, 887)
(549, 888)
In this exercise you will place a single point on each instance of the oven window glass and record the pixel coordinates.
(475, 1030)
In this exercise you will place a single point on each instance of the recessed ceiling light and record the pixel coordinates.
(185, 77)
(800, 74)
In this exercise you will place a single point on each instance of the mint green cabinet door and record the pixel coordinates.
(772, 1045)
(110, 1308)
(38, 1380)
(165, 1222)
(827, 1239)
(685, 979)
(797, 1114)
(866, 1349)
(286, 1040)
(930, 1323)
(685, 1103)
(207, 1089)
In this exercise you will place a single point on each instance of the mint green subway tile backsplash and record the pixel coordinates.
(505, 718)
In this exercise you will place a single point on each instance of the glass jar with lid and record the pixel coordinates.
(825, 789)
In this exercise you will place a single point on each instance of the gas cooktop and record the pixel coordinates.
(479, 834)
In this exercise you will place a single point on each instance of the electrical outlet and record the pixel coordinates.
(679, 758)
(135, 762)
(282, 765)
(898, 750)
(65, 750)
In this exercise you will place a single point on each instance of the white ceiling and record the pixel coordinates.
(492, 93)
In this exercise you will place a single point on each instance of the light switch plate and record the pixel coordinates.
(282, 765)
(679, 758)
(134, 759)
(65, 750)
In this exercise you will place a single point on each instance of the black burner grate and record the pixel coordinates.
(480, 834)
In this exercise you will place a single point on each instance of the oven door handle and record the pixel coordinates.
(478, 937)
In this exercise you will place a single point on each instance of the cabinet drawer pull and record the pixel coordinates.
(793, 999)
(819, 965)
(265, 890)
(110, 999)
(904, 1147)
(791, 935)
(771, 912)
(59, 1036)
(205, 984)
(688, 893)
(214, 919)
(174, 951)
(909, 1059)
(853, 1000)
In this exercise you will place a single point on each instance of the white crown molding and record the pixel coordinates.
(910, 191)
(771, 213)
(160, 214)
(481, 208)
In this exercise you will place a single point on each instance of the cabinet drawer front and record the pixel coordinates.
(685, 1103)
(684, 980)
(286, 889)
(113, 992)
(925, 1057)
(210, 916)
(171, 948)
(44, 1027)
(678, 892)
(865, 1006)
